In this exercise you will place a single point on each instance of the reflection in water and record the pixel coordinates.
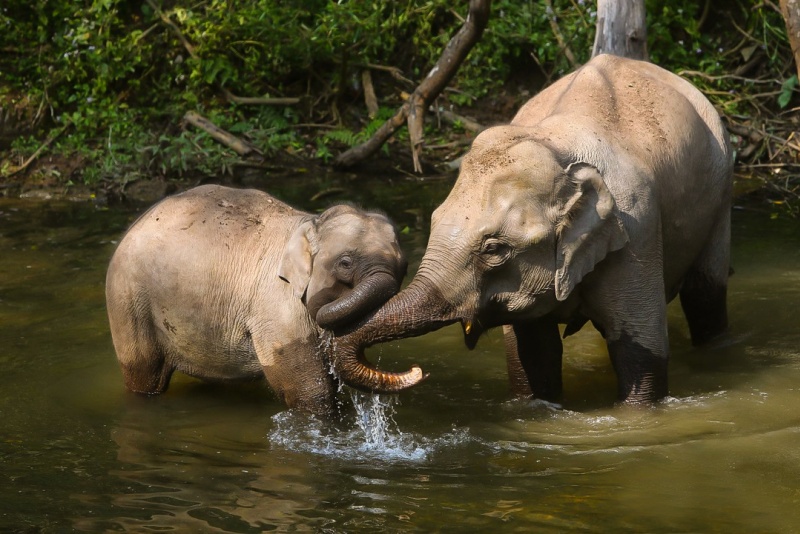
(190, 476)
(456, 453)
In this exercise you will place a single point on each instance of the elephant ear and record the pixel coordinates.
(295, 266)
(590, 228)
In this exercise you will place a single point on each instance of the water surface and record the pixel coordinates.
(455, 454)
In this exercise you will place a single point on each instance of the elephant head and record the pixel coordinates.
(343, 264)
(519, 230)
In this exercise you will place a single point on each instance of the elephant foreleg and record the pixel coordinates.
(533, 355)
(298, 374)
(641, 371)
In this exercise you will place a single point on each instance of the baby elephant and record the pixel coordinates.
(226, 284)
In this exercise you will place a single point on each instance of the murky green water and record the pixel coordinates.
(79, 453)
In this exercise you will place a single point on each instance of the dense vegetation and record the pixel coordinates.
(108, 82)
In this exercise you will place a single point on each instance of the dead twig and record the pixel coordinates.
(370, 99)
(719, 77)
(327, 193)
(562, 43)
(396, 73)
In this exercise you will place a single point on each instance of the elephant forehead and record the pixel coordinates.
(356, 231)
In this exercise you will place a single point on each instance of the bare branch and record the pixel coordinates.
(370, 99)
(414, 110)
(562, 43)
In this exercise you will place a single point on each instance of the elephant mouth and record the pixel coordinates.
(472, 332)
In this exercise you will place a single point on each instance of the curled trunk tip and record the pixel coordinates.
(416, 310)
(358, 373)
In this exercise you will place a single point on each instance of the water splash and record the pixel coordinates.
(375, 419)
(326, 349)
(371, 435)
(369, 432)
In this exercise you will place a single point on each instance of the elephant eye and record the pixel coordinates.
(495, 253)
(345, 262)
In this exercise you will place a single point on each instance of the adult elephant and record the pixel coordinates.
(607, 196)
(227, 284)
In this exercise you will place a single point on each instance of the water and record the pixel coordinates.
(77, 453)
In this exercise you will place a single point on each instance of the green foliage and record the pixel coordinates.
(115, 72)
(787, 89)
(676, 41)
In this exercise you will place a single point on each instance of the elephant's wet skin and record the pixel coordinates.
(607, 195)
(214, 283)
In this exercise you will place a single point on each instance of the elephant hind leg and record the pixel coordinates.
(704, 303)
(142, 359)
(705, 287)
(148, 375)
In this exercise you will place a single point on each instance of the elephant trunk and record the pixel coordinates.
(365, 297)
(412, 312)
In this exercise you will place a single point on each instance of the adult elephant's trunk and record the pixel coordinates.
(365, 297)
(414, 311)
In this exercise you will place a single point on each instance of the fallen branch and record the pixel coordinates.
(452, 118)
(42, 148)
(413, 111)
(466, 123)
(259, 101)
(243, 148)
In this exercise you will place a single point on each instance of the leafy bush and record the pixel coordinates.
(120, 75)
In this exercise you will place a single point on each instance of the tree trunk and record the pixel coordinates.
(621, 29)
(791, 14)
(413, 111)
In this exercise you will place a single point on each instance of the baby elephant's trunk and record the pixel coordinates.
(368, 295)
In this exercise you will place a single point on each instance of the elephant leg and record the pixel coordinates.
(299, 375)
(638, 346)
(631, 312)
(533, 355)
(705, 287)
(142, 360)
(641, 371)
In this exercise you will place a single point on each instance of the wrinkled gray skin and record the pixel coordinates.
(226, 284)
(607, 196)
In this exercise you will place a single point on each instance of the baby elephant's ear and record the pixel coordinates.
(295, 266)
(590, 228)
